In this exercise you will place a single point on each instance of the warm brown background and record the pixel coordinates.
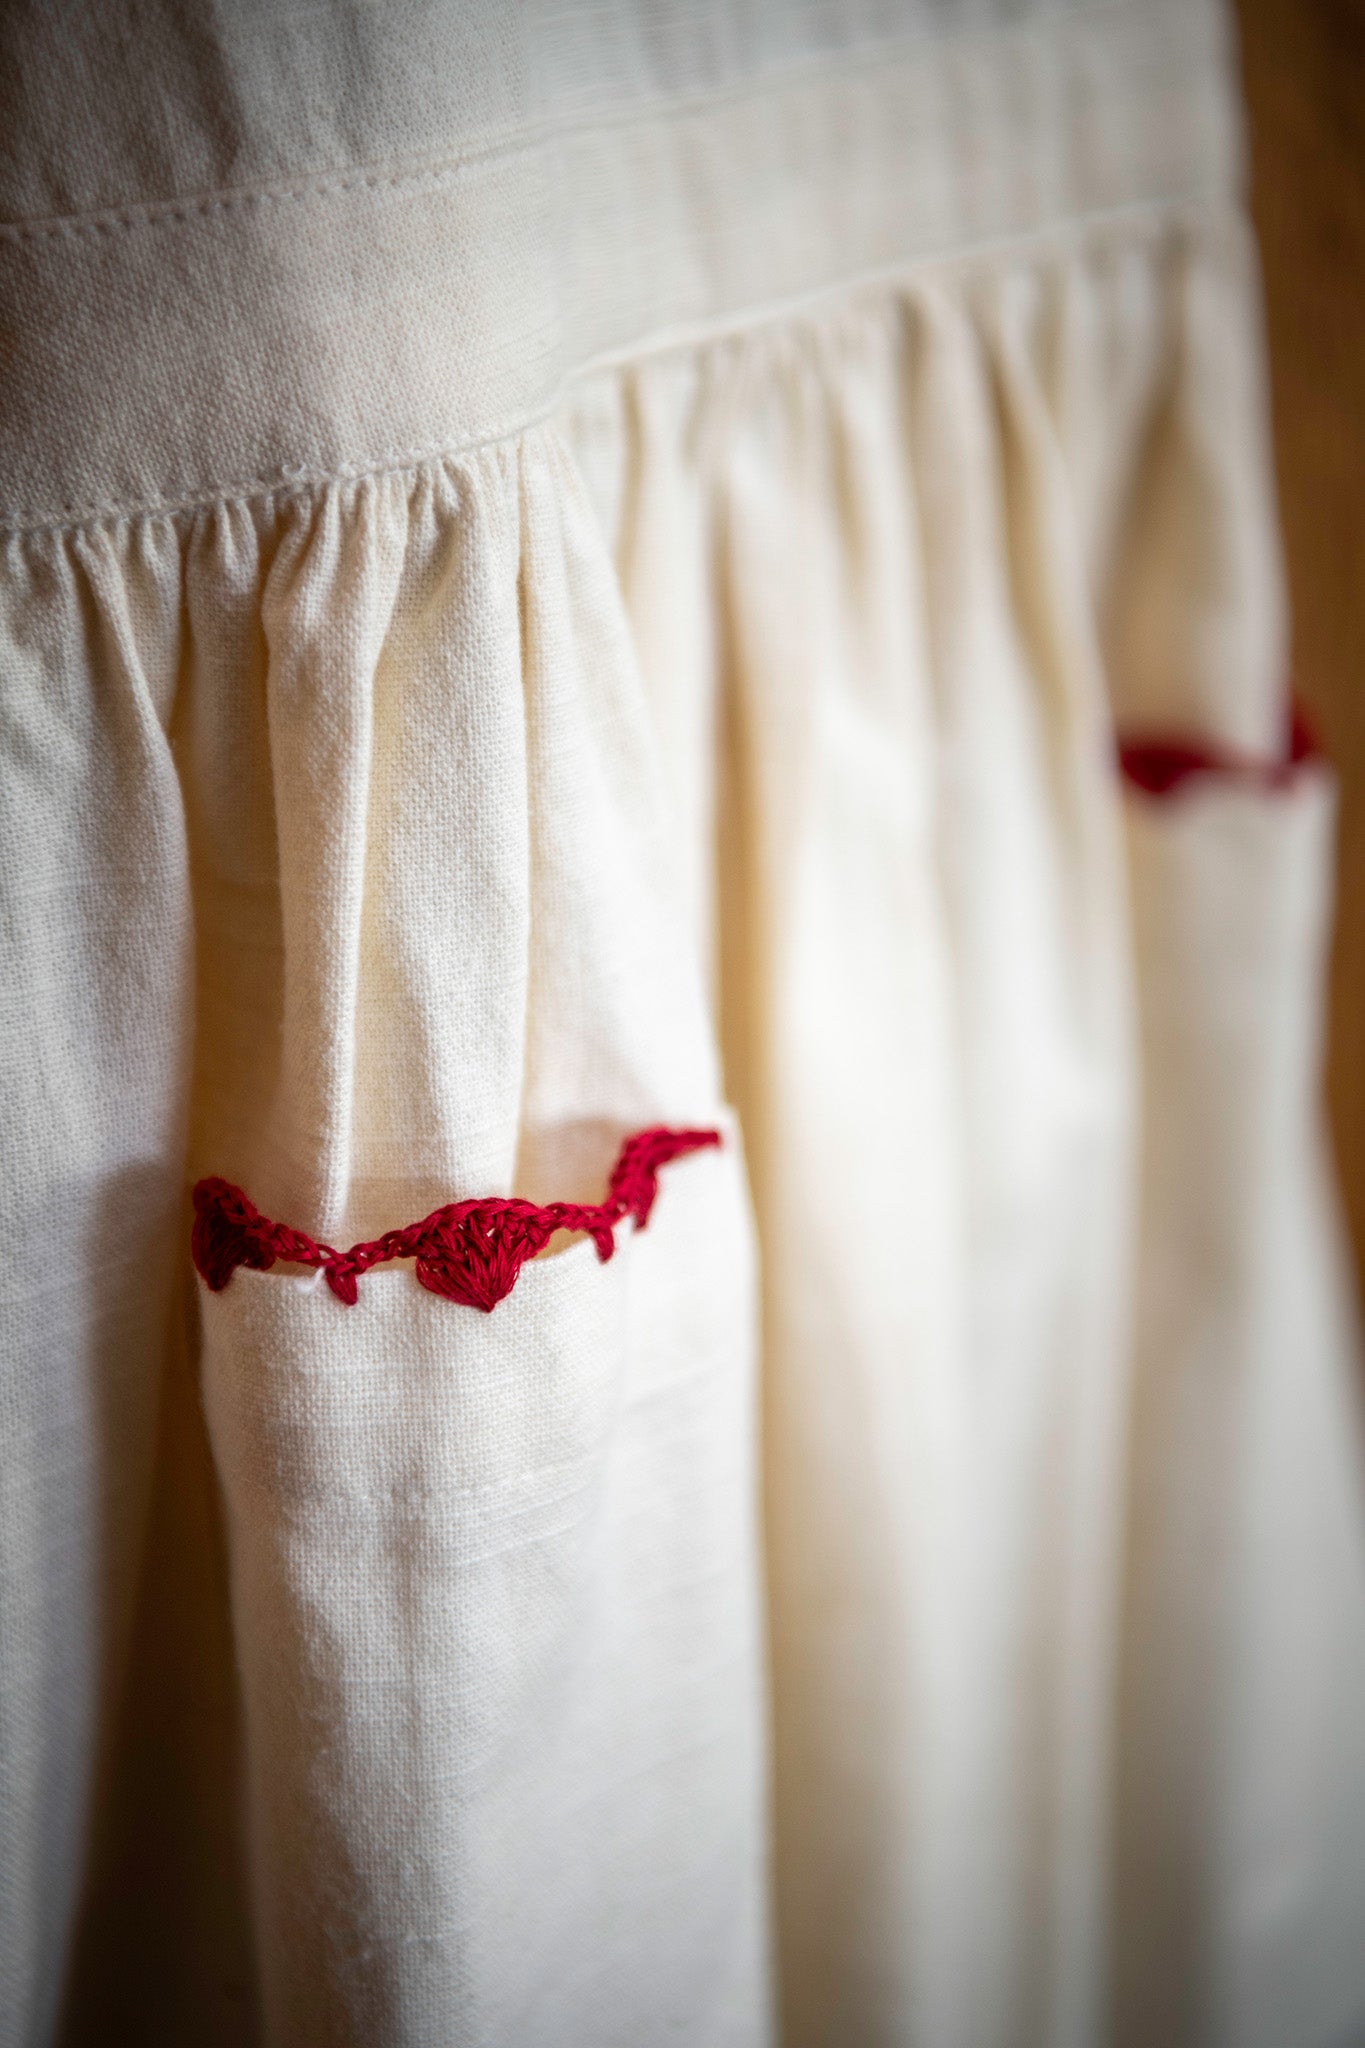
(1304, 70)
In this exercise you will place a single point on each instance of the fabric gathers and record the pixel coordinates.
(469, 1252)
(646, 567)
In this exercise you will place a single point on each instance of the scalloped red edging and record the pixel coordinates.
(471, 1252)
(1161, 766)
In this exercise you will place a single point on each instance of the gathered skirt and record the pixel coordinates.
(766, 622)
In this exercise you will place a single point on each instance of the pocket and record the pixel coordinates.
(1231, 894)
(1242, 1810)
(494, 1590)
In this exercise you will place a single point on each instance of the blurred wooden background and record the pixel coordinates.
(1304, 71)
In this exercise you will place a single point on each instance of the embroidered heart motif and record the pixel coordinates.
(475, 1256)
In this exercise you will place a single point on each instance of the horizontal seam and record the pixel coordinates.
(1172, 211)
(107, 221)
(287, 484)
(182, 212)
(1157, 215)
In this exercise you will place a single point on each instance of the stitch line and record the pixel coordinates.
(181, 212)
(818, 70)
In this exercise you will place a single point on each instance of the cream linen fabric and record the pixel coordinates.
(562, 570)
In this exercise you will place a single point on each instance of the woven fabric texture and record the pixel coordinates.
(576, 570)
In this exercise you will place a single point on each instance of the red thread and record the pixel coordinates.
(1159, 767)
(468, 1251)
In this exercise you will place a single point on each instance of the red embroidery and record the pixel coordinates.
(1161, 766)
(468, 1251)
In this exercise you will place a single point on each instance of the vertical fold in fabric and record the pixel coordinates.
(835, 1003)
(325, 611)
(95, 1048)
(1242, 1865)
(617, 1031)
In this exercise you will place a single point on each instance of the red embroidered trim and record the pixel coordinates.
(467, 1251)
(1159, 767)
